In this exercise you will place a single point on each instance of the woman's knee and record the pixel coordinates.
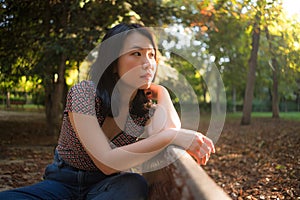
(134, 185)
(136, 181)
(124, 186)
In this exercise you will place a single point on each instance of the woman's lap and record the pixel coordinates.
(46, 189)
(122, 186)
(65, 182)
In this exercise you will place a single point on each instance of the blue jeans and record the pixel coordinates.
(63, 182)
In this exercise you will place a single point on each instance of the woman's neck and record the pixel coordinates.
(122, 101)
(127, 94)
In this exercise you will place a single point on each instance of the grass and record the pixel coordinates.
(283, 115)
(26, 107)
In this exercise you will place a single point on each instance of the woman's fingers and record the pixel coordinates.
(206, 148)
(199, 157)
(202, 149)
(205, 159)
(202, 161)
(195, 156)
(203, 152)
(210, 144)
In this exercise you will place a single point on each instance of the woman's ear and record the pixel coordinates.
(115, 69)
(116, 73)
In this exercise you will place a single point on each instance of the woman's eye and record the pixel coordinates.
(136, 54)
(151, 55)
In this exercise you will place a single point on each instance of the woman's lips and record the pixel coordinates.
(147, 76)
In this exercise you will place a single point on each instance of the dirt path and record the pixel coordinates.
(25, 149)
(260, 161)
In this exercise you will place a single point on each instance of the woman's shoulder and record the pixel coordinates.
(84, 87)
(81, 98)
(85, 84)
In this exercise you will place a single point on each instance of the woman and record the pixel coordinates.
(105, 121)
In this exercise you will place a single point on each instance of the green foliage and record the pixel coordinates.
(227, 26)
(35, 34)
(188, 71)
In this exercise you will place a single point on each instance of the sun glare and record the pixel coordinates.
(292, 7)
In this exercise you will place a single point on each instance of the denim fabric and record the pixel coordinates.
(63, 182)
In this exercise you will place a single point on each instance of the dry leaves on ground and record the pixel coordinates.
(260, 161)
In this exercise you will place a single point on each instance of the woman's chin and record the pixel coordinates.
(145, 86)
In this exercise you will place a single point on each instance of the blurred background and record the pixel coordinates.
(254, 44)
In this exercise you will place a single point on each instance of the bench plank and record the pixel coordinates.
(182, 179)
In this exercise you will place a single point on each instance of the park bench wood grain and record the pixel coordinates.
(18, 103)
(183, 179)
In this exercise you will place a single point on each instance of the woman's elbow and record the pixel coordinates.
(107, 170)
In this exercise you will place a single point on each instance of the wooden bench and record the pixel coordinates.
(183, 179)
(18, 103)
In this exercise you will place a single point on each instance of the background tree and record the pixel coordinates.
(247, 106)
(51, 35)
(225, 26)
(44, 40)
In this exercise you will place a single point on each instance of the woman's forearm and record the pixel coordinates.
(113, 160)
(164, 100)
(184, 138)
(165, 115)
(125, 157)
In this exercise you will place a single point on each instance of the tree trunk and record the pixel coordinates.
(204, 89)
(233, 99)
(55, 88)
(249, 92)
(274, 66)
(214, 78)
(55, 94)
(7, 99)
(275, 99)
(218, 102)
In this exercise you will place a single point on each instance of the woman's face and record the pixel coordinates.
(137, 63)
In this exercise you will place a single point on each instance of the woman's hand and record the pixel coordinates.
(201, 149)
(154, 91)
(196, 144)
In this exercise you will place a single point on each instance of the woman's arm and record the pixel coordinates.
(111, 160)
(166, 117)
(122, 158)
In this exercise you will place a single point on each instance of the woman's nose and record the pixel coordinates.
(146, 65)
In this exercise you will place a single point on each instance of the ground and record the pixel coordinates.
(259, 161)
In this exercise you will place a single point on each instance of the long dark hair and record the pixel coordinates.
(103, 71)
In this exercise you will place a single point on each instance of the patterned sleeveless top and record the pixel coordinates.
(82, 99)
